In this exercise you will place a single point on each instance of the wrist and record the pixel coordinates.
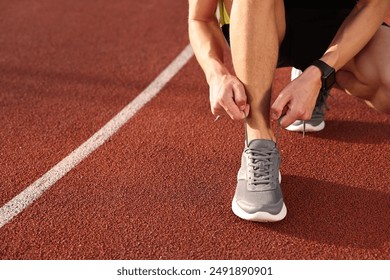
(216, 71)
(313, 74)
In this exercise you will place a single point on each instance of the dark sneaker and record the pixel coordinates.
(258, 195)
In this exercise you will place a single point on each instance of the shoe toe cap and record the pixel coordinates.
(271, 206)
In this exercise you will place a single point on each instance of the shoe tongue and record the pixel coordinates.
(259, 144)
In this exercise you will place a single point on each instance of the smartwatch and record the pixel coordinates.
(328, 74)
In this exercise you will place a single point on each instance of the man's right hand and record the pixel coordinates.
(227, 95)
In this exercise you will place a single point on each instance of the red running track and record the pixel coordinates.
(161, 187)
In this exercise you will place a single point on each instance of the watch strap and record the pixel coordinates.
(328, 74)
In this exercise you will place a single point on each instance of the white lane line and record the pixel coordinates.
(36, 189)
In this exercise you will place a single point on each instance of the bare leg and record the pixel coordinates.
(255, 37)
(367, 75)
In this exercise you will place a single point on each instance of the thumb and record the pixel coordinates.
(278, 107)
(239, 96)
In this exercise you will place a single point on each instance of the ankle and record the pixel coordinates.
(260, 134)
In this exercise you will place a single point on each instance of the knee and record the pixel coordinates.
(376, 95)
(385, 82)
(347, 81)
(379, 100)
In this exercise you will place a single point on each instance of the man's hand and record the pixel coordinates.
(227, 94)
(297, 100)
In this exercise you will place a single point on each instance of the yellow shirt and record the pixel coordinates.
(223, 15)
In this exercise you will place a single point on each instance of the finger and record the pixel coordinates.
(239, 96)
(288, 118)
(215, 106)
(217, 110)
(232, 110)
(279, 105)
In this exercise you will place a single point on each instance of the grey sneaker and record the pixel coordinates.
(317, 121)
(258, 195)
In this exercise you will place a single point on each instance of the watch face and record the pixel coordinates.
(329, 79)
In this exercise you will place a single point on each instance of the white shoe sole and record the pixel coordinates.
(262, 217)
(308, 127)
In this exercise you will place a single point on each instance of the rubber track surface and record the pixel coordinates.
(161, 188)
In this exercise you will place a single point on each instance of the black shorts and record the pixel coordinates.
(308, 35)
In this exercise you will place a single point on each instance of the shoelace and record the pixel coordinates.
(260, 161)
(261, 166)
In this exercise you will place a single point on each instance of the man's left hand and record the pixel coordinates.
(297, 100)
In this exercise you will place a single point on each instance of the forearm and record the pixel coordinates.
(355, 32)
(208, 44)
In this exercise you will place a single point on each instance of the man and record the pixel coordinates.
(340, 36)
